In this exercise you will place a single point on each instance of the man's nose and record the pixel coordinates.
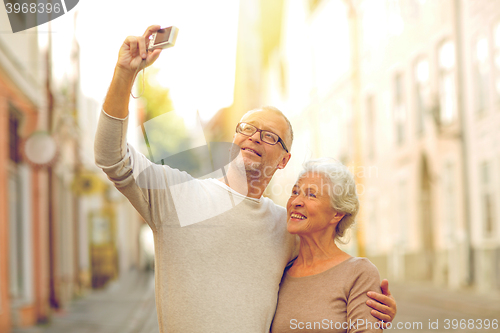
(255, 136)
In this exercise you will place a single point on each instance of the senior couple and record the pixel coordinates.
(226, 273)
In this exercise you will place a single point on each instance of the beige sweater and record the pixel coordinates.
(331, 301)
(219, 255)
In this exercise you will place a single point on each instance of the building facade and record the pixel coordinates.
(481, 47)
(23, 301)
(404, 92)
(64, 229)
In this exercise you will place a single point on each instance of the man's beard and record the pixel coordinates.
(253, 169)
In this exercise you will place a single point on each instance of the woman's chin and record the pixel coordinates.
(293, 229)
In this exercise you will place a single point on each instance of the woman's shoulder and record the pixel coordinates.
(363, 265)
(364, 276)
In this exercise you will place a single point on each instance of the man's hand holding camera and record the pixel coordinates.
(130, 60)
(134, 50)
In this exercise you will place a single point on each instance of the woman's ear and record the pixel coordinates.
(337, 217)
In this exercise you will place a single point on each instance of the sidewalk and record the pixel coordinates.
(466, 302)
(125, 306)
(128, 306)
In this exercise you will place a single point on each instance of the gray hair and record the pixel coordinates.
(342, 190)
(277, 111)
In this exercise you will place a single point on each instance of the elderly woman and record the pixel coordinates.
(325, 288)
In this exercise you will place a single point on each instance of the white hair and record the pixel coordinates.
(342, 190)
(289, 134)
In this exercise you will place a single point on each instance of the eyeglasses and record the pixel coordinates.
(266, 136)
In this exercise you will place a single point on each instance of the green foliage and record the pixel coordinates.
(165, 130)
(157, 98)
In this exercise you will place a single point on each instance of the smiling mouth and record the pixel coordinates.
(297, 216)
(251, 150)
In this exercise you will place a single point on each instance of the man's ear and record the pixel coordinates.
(284, 161)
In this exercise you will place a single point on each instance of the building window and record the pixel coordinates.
(16, 212)
(422, 92)
(16, 240)
(346, 134)
(487, 199)
(496, 38)
(481, 74)
(14, 140)
(370, 126)
(450, 208)
(399, 109)
(447, 91)
(283, 77)
(373, 228)
(402, 213)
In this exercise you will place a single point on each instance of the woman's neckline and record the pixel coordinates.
(320, 273)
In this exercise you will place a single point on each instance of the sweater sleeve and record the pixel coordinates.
(141, 181)
(366, 278)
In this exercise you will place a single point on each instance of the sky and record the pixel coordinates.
(199, 70)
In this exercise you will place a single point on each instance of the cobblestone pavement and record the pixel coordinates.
(125, 306)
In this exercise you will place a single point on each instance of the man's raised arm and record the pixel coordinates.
(121, 163)
(130, 58)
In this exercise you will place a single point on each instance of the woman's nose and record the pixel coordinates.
(298, 201)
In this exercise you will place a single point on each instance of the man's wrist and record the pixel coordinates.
(124, 75)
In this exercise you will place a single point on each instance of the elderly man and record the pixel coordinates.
(220, 246)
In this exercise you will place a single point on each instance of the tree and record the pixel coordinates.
(167, 140)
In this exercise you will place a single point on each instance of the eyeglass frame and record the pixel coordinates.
(260, 130)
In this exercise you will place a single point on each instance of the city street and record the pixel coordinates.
(125, 306)
(404, 93)
(128, 306)
(425, 305)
